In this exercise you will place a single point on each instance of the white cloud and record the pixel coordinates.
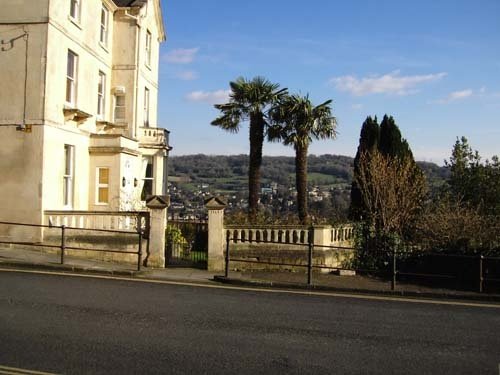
(391, 83)
(357, 106)
(187, 75)
(181, 55)
(211, 97)
(456, 95)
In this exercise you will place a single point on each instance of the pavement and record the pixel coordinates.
(35, 259)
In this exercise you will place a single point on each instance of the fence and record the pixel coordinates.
(454, 270)
(297, 247)
(65, 238)
(192, 249)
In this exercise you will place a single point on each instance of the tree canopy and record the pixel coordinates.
(296, 122)
(250, 100)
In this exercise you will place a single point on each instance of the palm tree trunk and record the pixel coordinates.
(301, 182)
(256, 141)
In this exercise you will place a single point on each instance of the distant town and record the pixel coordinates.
(193, 178)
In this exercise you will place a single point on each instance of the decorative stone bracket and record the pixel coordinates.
(75, 114)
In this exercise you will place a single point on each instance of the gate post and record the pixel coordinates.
(216, 239)
(157, 204)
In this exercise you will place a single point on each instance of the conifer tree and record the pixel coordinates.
(391, 142)
(368, 142)
(388, 141)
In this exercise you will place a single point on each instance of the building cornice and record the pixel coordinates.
(106, 150)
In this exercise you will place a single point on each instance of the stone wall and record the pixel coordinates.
(260, 247)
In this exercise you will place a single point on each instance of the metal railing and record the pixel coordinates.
(63, 247)
(395, 263)
(114, 220)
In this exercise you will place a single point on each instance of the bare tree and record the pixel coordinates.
(393, 191)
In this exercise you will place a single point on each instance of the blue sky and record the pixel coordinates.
(433, 65)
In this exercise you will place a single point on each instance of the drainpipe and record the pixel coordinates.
(136, 79)
(135, 125)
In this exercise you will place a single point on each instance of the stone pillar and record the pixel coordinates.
(157, 205)
(322, 235)
(216, 238)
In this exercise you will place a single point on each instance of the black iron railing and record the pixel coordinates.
(63, 246)
(472, 270)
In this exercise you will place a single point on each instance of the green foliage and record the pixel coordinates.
(387, 140)
(368, 143)
(374, 250)
(473, 181)
(452, 226)
(387, 192)
(173, 235)
(295, 121)
(250, 101)
(192, 176)
(391, 142)
(262, 218)
(330, 170)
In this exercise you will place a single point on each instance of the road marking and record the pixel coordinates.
(265, 290)
(20, 371)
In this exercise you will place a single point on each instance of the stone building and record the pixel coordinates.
(78, 103)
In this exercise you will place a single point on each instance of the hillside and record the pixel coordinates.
(228, 174)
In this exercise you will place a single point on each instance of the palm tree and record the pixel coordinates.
(250, 101)
(296, 121)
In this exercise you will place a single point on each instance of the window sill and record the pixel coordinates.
(75, 22)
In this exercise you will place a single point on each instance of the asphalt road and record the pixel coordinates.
(73, 325)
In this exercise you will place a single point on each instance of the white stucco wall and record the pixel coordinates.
(32, 163)
(54, 164)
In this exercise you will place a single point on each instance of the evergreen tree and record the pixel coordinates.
(473, 181)
(391, 142)
(388, 141)
(368, 142)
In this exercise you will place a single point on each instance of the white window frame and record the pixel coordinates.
(104, 26)
(146, 178)
(146, 107)
(71, 77)
(101, 185)
(75, 7)
(69, 176)
(120, 109)
(101, 95)
(149, 40)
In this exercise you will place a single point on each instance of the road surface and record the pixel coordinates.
(77, 325)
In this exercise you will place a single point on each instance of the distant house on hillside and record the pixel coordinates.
(78, 126)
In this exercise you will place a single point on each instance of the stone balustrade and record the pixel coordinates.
(275, 234)
(115, 220)
(153, 136)
(300, 235)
